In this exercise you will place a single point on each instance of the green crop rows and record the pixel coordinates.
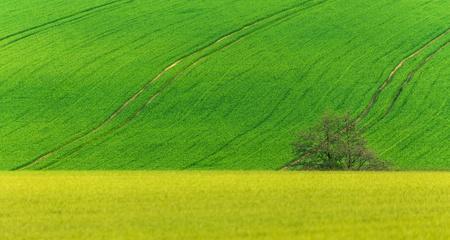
(218, 84)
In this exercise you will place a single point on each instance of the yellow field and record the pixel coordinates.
(224, 205)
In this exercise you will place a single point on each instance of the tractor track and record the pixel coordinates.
(407, 80)
(167, 84)
(25, 33)
(393, 73)
(385, 84)
(289, 12)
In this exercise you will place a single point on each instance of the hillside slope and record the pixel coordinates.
(218, 84)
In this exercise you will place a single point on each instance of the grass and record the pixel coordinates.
(224, 205)
(77, 92)
(420, 116)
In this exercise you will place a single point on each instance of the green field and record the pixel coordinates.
(131, 84)
(224, 205)
(220, 85)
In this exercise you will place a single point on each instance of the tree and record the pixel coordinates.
(335, 143)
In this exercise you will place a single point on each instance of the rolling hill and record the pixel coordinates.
(131, 84)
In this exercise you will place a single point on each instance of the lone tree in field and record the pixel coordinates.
(334, 144)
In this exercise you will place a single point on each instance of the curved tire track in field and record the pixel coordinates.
(168, 83)
(25, 33)
(289, 12)
(383, 86)
(408, 79)
(393, 73)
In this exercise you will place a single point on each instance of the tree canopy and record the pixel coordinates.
(336, 143)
